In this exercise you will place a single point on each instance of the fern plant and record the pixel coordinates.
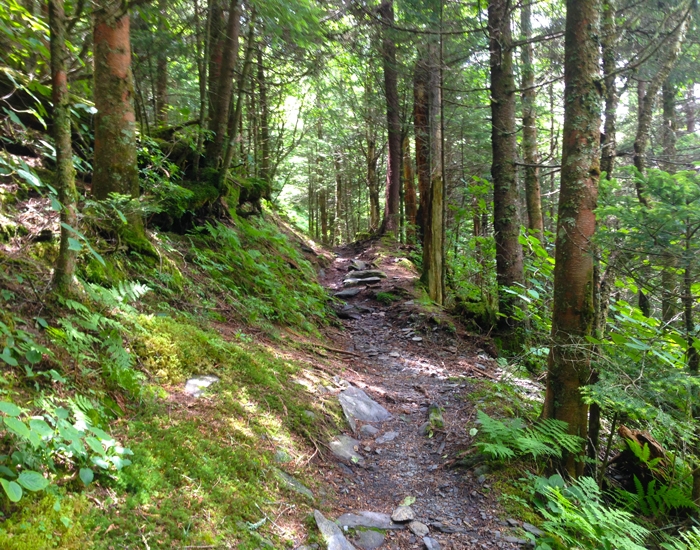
(576, 518)
(511, 438)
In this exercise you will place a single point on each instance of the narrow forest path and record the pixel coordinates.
(409, 360)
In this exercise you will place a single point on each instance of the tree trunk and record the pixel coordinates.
(217, 27)
(224, 86)
(162, 76)
(433, 237)
(64, 274)
(115, 168)
(668, 274)
(531, 157)
(390, 223)
(337, 226)
(646, 110)
(203, 46)
(573, 313)
(409, 191)
(234, 113)
(509, 252)
(690, 108)
(420, 125)
(609, 44)
(372, 186)
(264, 124)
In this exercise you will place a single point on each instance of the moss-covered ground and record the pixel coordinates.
(239, 301)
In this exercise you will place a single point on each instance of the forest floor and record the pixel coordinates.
(408, 356)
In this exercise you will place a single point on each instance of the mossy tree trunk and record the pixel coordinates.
(420, 126)
(573, 313)
(410, 199)
(64, 274)
(531, 158)
(224, 85)
(390, 222)
(506, 223)
(372, 186)
(339, 214)
(646, 108)
(433, 236)
(115, 168)
(609, 41)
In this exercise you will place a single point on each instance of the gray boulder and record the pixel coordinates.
(369, 540)
(431, 544)
(368, 430)
(403, 513)
(368, 520)
(357, 405)
(369, 273)
(347, 293)
(293, 484)
(359, 282)
(331, 533)
(357, 265)
(418, 528)
(343, 446)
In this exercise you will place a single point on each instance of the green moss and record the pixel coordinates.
(38, 525)
(105, 275)
(478, 315)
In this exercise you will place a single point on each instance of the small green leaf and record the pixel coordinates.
(30, 178)
(41, 427)
(67, 522)
(10, 409)
(17, 426)
(7, 357)
(12, 489)
(74, 245)
(57, 506)
(473, 432)
(95, 445)
(55, 205)
(4, 470)
(33, 356)
(407, 501)
(42, 322)
(32, 481)
(86, 475)
(104, 436)
(61, 413)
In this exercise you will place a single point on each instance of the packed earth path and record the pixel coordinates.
(409, 419)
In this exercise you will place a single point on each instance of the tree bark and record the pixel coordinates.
(410, 200)
(609, 41)
(224, 86)
(162, 76)
(646, 110)
(372, 186)
(531, 156)
(573, 313)
(64, 274)
(509, 252)
(390, 223)
(203, 48)
(669, 261)
(115, 168)
(690, 108)
(264, 119)
(338, 226)
(217, 26)
(433, 237)
(421, 129)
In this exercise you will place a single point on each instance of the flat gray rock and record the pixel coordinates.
(369, 520)
(369, 540)
(358, 282)
(348, 293)
(388, 436)
(293, 484)
(282, 456)
(532, 529)
(331, 533)
(343, 446)
(403, 513)
(369, 274)
(197, 385)
(368, 430)
(418, 528)
(357, 405)
(431, 544)
(357, 265)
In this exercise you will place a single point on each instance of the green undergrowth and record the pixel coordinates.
(111, 361)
